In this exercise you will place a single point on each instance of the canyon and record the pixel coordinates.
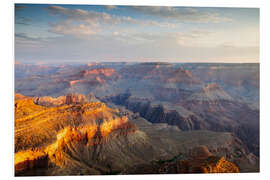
(137, 118)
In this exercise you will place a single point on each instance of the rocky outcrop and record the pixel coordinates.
(212, 109)
(211, 92)
(102, 71)
(159, 72)
(62, 134)
(99, 140)
(92, 138)
(74, 82)
(18, 96)
(181, 75)
(229, 116)
(30, 160)
(156, 113)
(42, 123)
(201, 161)
(65, 100)
(93, 77)
(86, 137)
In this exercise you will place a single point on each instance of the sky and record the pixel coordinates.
(46, 33)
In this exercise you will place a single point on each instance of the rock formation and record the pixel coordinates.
(210, 108)
(69, 99)
(202, 162)
(155, 114)
(92, 138)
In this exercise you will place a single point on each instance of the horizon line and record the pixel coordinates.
(102, 61)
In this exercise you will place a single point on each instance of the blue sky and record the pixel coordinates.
(82, 33)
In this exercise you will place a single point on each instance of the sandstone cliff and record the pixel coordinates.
(210, 108)
(91, 138)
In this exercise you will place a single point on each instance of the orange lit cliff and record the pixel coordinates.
(42, 133)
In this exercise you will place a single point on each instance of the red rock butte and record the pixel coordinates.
(104, 71)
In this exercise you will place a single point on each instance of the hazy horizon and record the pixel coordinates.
(89, 62)
(47, 34)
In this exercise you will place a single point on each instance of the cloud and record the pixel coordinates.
(68, 28)
(98, 17)
(77, 21)
(193, 38)
(25, 37)
(135, 47)
(182, 14)
(19, 7)
(81, 22)
(86, 35)
(79, 14)
(22, 20)
(25, 41)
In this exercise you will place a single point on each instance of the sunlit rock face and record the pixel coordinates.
(151, 118)
(72, 111)
(74, 82)
(55, 131)
(18, 96)
(200, 160)
(92, 138)
(102, 71)
(93, 77)
(85, 138)
(69, 99)
(159, 72)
